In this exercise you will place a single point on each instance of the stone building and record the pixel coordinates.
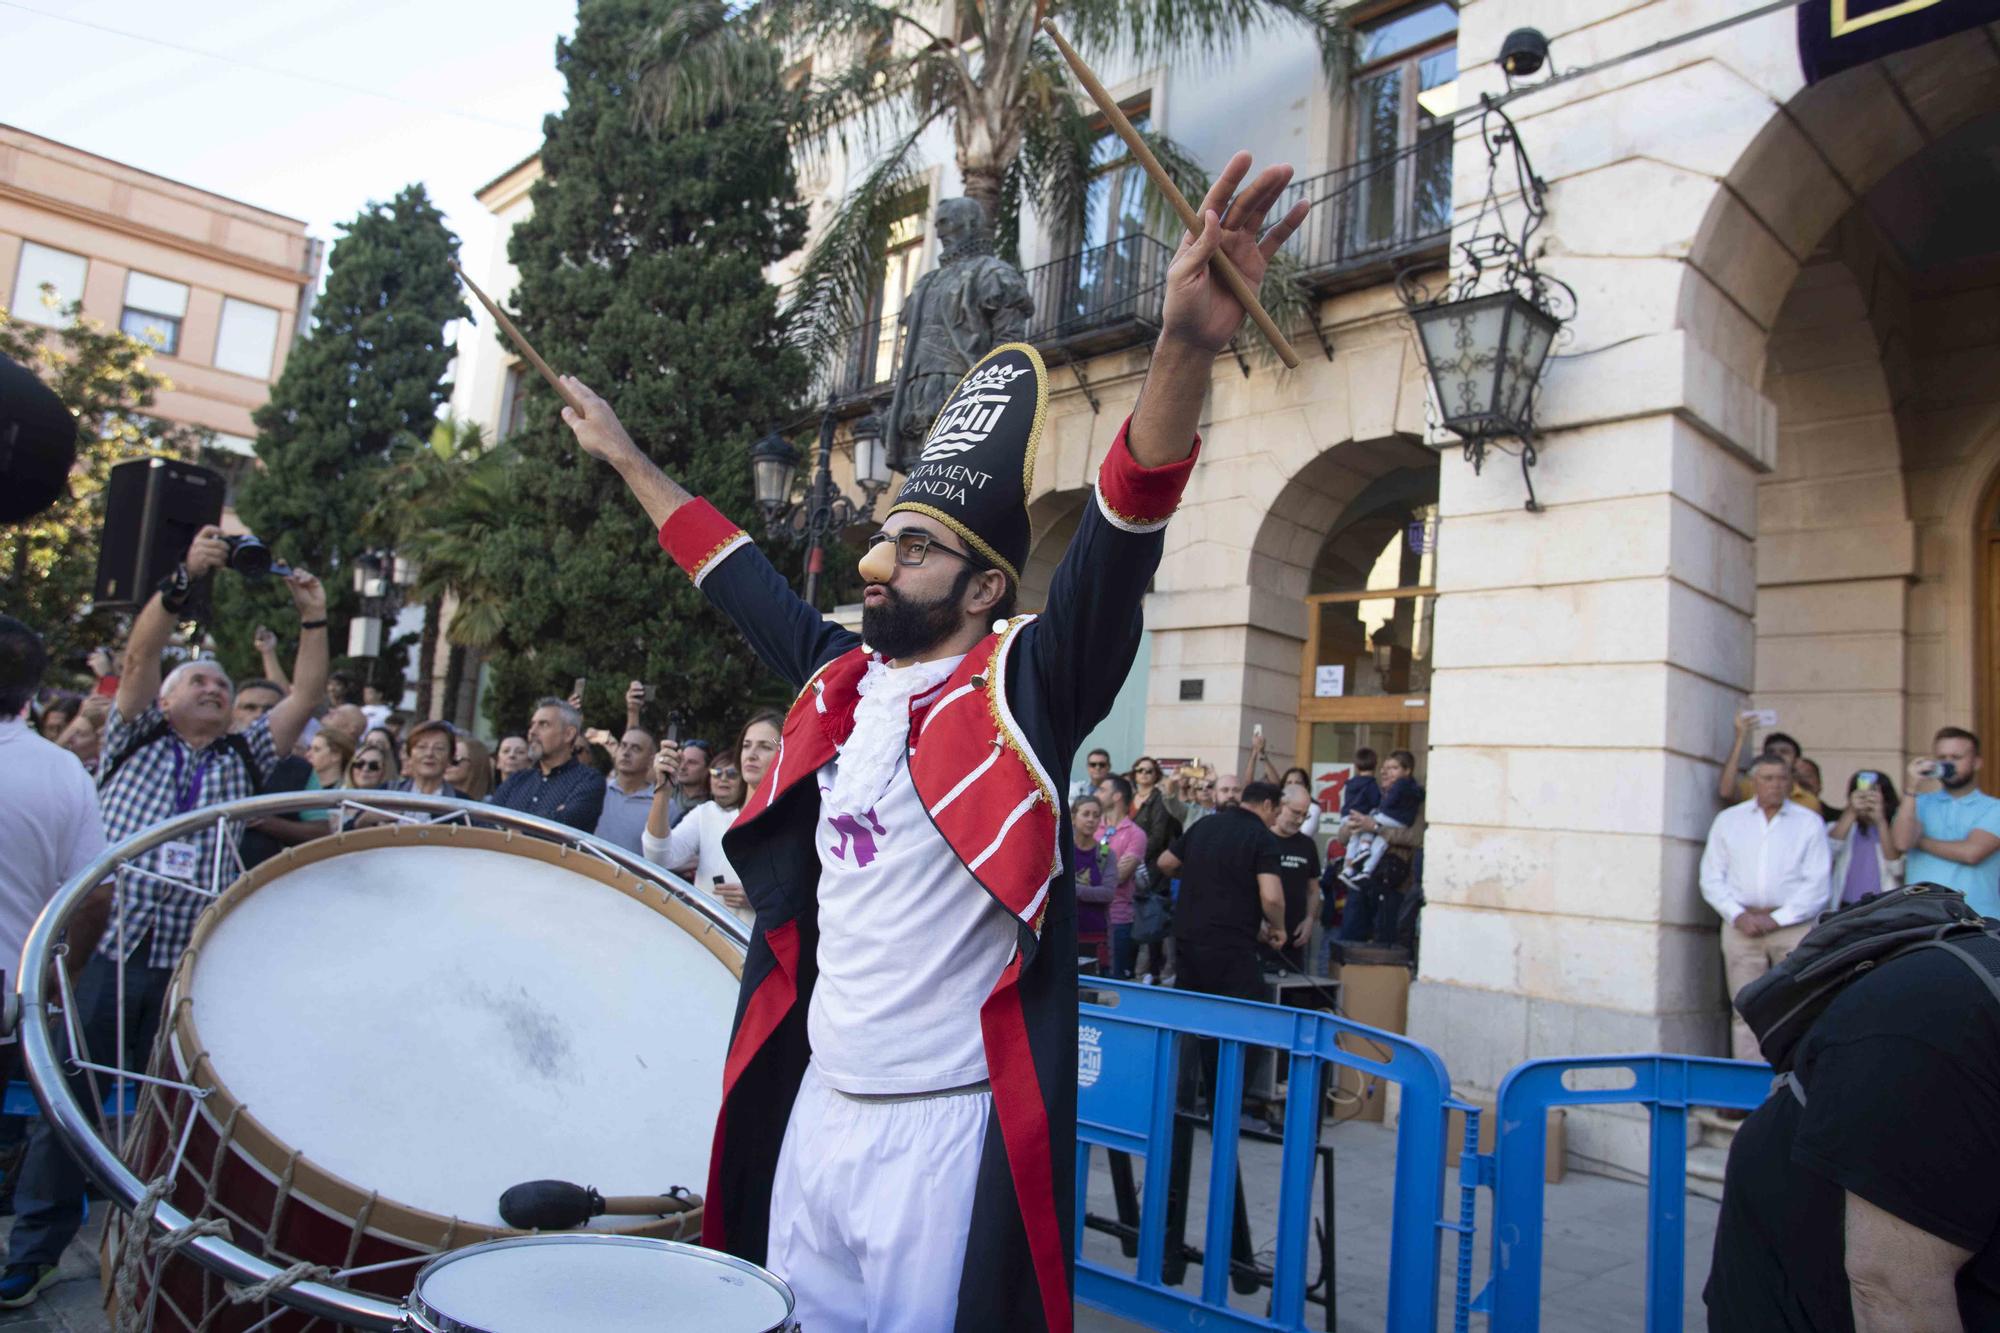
(219, 286)
(1769, 470)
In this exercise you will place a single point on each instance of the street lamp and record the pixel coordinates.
(774, 465)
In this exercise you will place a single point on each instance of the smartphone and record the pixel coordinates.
(1765, 717)
(1863, 781)
(1257, 732)
(576, 690)
(647, 694)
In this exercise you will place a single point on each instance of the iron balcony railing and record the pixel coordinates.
(1101, 297)
(1374, 209)
(1094, 300)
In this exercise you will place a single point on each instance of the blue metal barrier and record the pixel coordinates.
(1666, 1084)
(1127, 1084)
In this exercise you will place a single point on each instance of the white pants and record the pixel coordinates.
(871, 1206)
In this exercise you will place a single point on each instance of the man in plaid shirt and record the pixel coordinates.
(168, 750)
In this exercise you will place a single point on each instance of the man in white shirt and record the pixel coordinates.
(1765, 871)
(50, 829)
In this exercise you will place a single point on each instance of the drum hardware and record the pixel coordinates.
(558, 1205)
(172, 1111)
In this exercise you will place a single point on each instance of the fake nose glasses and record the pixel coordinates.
(879, 564)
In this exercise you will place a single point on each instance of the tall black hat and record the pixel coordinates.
(978, 462)
(37, 444)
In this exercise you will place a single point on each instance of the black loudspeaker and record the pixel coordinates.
(37, 444)
(153, 507)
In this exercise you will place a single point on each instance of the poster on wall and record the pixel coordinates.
(1330, 682)
(1329, 780)
(1838, 34)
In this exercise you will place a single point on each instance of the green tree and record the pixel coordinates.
(642, 272)
(370, 371)
(881, 75)
(48, 563)
(444, 500)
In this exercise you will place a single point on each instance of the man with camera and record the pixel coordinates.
(1952, 832)
(168, 750)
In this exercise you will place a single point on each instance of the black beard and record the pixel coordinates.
(901, 628)
(1960, 781)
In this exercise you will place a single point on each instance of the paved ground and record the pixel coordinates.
(1592, 1279)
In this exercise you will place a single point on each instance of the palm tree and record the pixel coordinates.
(1022, 128)
(443, 497)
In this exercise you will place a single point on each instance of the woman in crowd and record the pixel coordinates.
(1096, 881)
(57, 714)
(329, 752)
(697, 839)
(84, 736)
(383, 739)
(1161, 817)
(427, 754)
(370, 768)
(471, 768)
(1864, 856)
(512, 757)
(1261, 765)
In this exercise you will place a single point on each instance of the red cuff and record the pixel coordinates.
(1136, 498)
(697, 536)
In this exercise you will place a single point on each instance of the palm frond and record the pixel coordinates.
(838, 277)
(1188, 176)
(1285, 295)
(700, 63)
(1151, 30)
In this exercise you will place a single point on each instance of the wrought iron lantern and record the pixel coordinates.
(773, 465)
(871, 455)
(1486, 335)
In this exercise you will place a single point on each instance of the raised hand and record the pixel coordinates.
(1199, 309)
(207, 552)
(597, 427)
(307, 594)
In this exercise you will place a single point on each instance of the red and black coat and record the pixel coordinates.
(989, 751)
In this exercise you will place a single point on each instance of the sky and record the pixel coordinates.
(308, 109)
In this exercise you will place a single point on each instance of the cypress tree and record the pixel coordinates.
(370, 370)
(642, 273)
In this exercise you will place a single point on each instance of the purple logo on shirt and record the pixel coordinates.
(861, 838)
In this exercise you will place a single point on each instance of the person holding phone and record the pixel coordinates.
(1865, 859)
(1733, 784)
(1950, 833)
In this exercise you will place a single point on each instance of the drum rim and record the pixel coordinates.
(432, 1320)
(315, 1184)
(74, 1126)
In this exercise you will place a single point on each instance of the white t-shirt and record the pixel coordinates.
(50, 828)
(697, 841)
(910, 946)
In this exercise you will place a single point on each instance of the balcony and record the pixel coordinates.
(1096, 300)
(1371, 218)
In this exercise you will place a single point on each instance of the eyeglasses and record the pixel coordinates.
(1148, 772)
(1100, 763)
(725, 772)
(912, 545)
(698, 744)
(372, 766)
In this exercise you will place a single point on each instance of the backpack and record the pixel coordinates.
(231, 742)
(1782, 1005)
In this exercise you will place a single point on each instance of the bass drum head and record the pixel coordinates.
(431, 1015)
(596, 1284)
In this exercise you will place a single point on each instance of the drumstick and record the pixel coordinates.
(558, 1205)
(1232, 277)
(514, 335)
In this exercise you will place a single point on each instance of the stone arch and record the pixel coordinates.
(1052, 516)
(1813, 161)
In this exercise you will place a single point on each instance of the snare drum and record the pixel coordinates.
(398, 1023)
(596, 1284)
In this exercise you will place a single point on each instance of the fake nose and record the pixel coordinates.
(879, 564)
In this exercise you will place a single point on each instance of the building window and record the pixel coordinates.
(1114, 202)
(901, 263)
(513, 400)
(154, 309)
(1402, 102)
(43, 266)
(247, 338)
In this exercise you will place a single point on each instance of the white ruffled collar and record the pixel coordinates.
(869, 756)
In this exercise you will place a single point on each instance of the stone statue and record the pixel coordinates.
(958, 312)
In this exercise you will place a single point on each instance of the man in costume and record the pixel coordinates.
(897, 1134)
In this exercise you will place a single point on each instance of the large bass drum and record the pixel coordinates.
(390, 1026)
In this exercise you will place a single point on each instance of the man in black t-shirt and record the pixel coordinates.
(1230, 896)
(1872, 1203)
(1298, 872)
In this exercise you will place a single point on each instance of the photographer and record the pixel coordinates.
(1951, 833)
(1864, 855)
(168, 750)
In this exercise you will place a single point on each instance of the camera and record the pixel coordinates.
(1944, 770)
(252, 559)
